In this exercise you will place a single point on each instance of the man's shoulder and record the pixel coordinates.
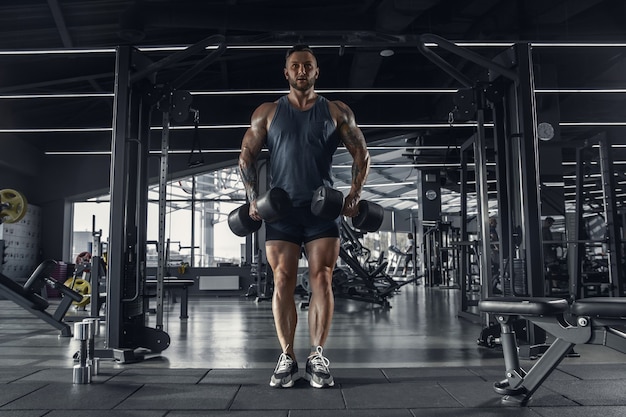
(339, 110)
(266, 109)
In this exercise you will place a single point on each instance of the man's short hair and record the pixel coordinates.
(299, 48)
(549, 220)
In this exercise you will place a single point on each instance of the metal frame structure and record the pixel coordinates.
(136, 95)
(510, 94)
(613, 237)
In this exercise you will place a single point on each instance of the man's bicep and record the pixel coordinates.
(353, 139)
(254, 138)
(252, 143)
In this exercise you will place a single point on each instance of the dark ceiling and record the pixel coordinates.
(348, 37)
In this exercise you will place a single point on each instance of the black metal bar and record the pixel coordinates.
(483, 204)
(115, 274)
(463, 53)
(179, 56)
(502, 153)
(616, 274)
(465, 272)
(529, 151)
(577, 252)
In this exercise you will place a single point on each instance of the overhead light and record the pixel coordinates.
(580, 90)
(387, 53)
(393, 184)
(155, 152)
(174, 48)
(52, 95)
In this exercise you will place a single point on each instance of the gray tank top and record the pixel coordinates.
(301, 146)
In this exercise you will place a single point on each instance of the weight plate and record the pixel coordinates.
(12, 206)
(82, 287)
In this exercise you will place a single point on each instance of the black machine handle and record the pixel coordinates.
(67, 291)
(41, 277)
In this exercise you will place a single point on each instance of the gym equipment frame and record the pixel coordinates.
(613, 238)
(510, 96)
(136, 95)
(597, 320)
(28, 297)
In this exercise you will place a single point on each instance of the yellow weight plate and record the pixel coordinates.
(82, 287)
(12, 206)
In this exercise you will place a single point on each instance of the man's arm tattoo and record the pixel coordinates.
(249, 176)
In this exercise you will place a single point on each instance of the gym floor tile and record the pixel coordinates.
(397, 395)
(476, 412)
(417, 374)
(238, 376)
(358, 376)
(592, 392)
(107, 413)
(49, 376)
(16, 361)
(300, 396)
(351, 413)
(24, 413)
(599, 411)
(597, 371)
(493, 374)
(481, 395)
(246, 413)
(160, 376)
(72, 397)
(180, 397)
(13, 392)
(15, 373)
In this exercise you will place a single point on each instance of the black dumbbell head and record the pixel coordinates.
(274, 205)
(241, 223)
(370, 216)
(327, 203)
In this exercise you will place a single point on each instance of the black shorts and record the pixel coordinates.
(301, 226)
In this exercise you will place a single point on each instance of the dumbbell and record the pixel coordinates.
(272, 206)
(327, 203)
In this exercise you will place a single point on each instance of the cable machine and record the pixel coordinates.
(509, 98)
(136, 96)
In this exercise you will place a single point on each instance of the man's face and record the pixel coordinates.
(301, 70)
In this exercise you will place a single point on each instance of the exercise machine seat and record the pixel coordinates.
(36, 282)
(36, 301)
(608, 307)
(540, 306)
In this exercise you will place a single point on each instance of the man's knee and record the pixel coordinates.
(321, 282)
(284, 284)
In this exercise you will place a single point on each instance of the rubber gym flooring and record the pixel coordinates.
(415, 359)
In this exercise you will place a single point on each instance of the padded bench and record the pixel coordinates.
(597, 320)
(175, 283)
(29, 298)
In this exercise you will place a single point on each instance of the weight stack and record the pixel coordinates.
(520, 283)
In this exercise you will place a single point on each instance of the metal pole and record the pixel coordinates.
(529, 165)
(616, 275)
(117, 237)
(162, 256)
(483, 204)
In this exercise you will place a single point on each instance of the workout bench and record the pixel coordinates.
(174, 283)
(29, 298)
(597, 320)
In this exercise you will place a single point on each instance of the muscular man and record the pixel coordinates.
(302, 131)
